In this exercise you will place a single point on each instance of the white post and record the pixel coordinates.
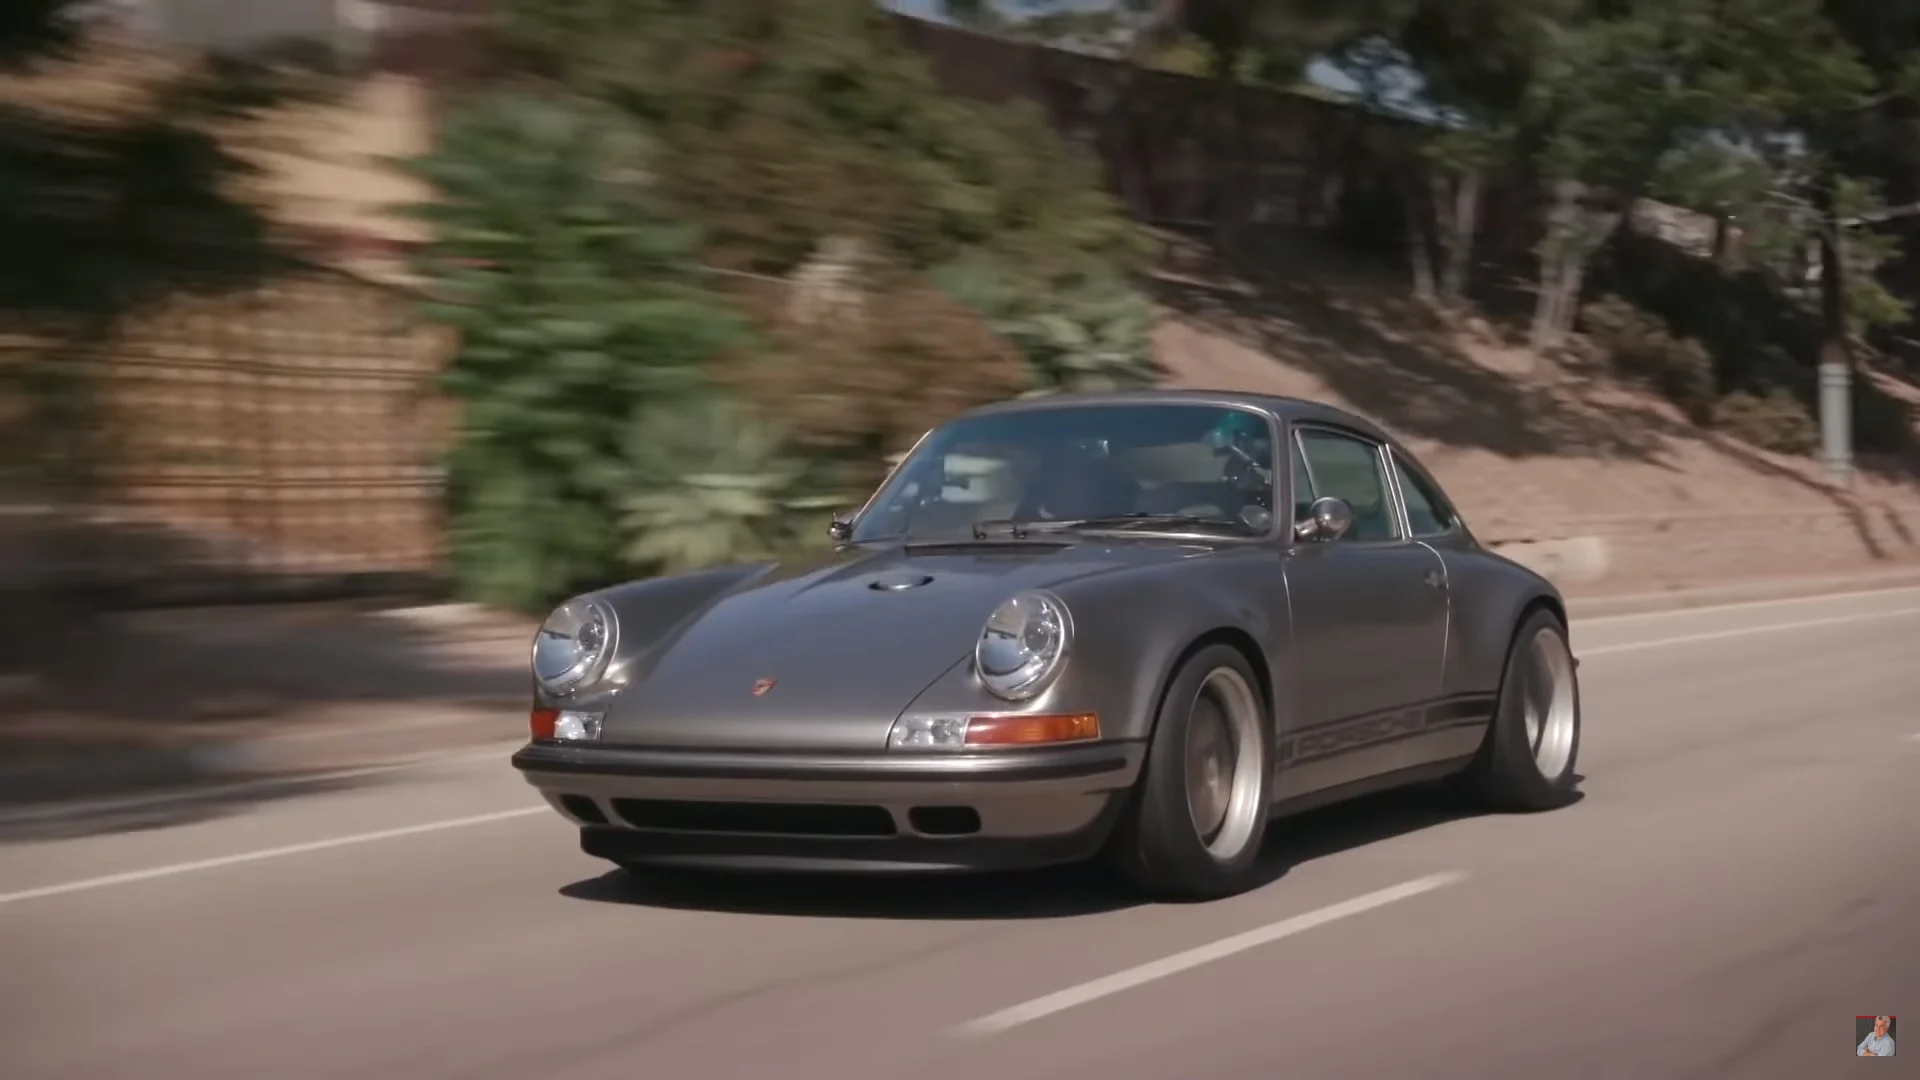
(1836, 421)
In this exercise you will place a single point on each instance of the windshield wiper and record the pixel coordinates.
(1019, 530)
(1011, 528)
(1149, 521)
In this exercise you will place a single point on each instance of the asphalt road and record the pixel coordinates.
(1741, 879)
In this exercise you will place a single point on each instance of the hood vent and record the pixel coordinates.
(899, 581)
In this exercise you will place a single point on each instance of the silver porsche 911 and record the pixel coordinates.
(1133, 626)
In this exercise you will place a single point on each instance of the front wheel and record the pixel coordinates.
(1197, 815)
(1527, 761)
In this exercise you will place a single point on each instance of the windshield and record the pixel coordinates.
(1089, 464)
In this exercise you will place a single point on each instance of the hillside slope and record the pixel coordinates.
(1535, 450)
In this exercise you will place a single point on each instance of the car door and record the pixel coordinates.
(1370, 619)
(1459, 719)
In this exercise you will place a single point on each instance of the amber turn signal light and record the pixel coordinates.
(540, 723)
(1029, 730)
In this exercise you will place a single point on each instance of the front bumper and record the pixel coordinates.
(1004, 810)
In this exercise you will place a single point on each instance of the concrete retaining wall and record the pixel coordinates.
(1677, 550)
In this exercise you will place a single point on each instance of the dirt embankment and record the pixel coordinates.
(1601, 479)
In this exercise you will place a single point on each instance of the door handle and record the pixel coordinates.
(1434, 579)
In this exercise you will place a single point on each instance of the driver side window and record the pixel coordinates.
(1347, 468)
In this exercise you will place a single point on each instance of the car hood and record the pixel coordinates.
(838, 647)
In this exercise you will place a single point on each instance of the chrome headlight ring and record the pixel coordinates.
(574, 645)
(1023, 645)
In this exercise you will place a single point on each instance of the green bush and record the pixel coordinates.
(580, 310)
(1764, 343)
(1095, 335)
(788, 126)
(854, 387)
(789, 123)
(713, 483)
(1758, 337)
(1641, 347)
(1774, 420)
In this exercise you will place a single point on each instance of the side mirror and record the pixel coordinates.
(841, 529)
(1327, 520)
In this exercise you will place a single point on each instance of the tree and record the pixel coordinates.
(1615, 96)
(1471, 64)
(1874, 133)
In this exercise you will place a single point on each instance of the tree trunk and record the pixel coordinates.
(1540, 335)
(1833, 285)
(1562, 223)
(1456, 211)
(1573, 277)
(1574, 234)
(1421, 257)
(1419, 252)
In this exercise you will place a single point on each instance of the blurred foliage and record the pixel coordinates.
(783, 127)
(1882, 423)
(855, 385)
(713, 482)
(783, 124)
(1868, 303)
(1642, 347)
(581, 310)
(1096, 335)
(1761, 340)
(1774, 420)
(630, 244)
(1756, 335)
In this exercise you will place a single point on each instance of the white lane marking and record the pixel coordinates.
(62, 811)
(1709, 609)
(152, 873)
(1086, 992)
(1748, 631)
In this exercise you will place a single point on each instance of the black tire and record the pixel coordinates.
(1505, 775)
(1157, 846)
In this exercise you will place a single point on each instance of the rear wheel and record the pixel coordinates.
(1197, 815)
(1527, 760)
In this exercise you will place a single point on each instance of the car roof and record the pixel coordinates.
(1282, 408)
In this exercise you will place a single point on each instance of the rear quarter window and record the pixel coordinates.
(1428, 511)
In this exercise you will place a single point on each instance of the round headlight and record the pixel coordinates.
(573, 645)
(1023, 645)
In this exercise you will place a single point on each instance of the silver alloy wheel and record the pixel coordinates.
(1547, 702)
(1224, 759)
